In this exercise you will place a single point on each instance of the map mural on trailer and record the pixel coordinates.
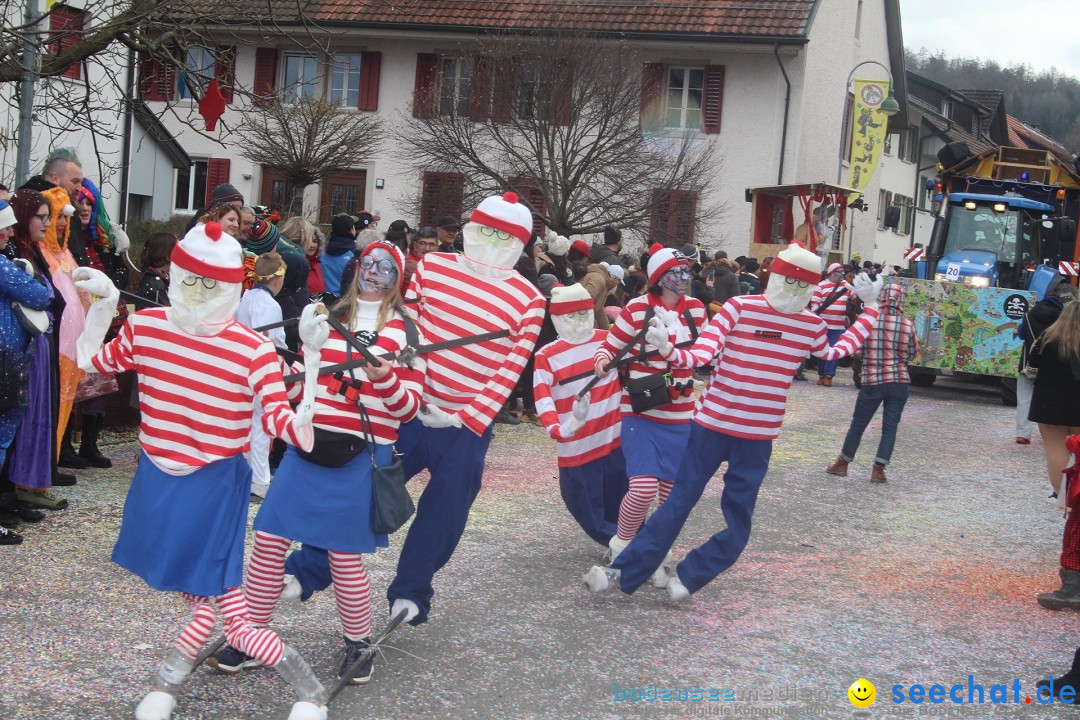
(965, 328)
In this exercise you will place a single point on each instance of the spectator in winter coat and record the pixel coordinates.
(599, 282)
(426, 240)
(1041, 316)
(725, 282)
(340, 249)
(153, 288)
(609, 251)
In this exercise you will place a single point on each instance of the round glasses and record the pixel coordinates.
(382, 267)
(683, 273)
(44, 219)
(795, 281)
(208, 283)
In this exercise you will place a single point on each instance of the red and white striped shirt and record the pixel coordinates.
(599, 437)
(835, 316)
(758, 351)
(389, 402)
(626, 327)
(474, 380)
(196, 394)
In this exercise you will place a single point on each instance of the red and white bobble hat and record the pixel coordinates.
(662, 259)
(395, 252)
(566, 300)
(505, 213)
(833, 267)
(206, 251)
(797, 262)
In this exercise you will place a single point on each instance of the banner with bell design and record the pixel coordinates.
(869, 126)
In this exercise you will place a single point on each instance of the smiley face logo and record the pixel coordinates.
(862, 693)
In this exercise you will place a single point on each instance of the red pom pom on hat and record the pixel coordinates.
(655, 248)
(510, 197)
(213, 231)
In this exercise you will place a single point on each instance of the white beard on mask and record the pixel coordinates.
(572, 328)
(502, 255)
(198, 311)
(787, 298)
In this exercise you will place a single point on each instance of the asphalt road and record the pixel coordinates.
(927, 579)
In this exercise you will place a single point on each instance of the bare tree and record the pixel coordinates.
(557, 118)
(306, 140)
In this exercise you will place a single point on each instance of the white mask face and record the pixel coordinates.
(788, 295)
(489, 246)
(198, 309)
(575, 327)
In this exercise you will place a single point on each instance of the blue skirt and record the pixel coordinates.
(326, 507)
(653, 449)
(186, 532)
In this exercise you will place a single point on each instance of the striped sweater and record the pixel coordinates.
(757, 351)
(457, 301)
(599, 437)
(196, 394)
(626, 327)
(835, 316)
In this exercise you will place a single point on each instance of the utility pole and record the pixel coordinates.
(26, 96)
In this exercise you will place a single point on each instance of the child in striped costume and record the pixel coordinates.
(835, 315)
(592, 470)
(757, 343)
(200, 375)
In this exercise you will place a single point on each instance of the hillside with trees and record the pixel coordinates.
(1048, 99)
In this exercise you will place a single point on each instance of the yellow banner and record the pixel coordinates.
(868, 129)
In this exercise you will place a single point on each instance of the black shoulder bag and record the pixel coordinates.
(651, 391)
(391, 504)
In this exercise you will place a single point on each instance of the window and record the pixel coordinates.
(201, 62)
(907, 146)
(685, 89)
(947, 108)
(342, 193)
(887, 147)
(674, 217)
(298, 78)
(907, 214)
(455, 85)
(66, 27)
(191, 186)
(345, 79)
(534, 93)
(884, 201)
(277, 191)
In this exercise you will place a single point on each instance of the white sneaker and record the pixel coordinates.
(410, 608)
(615, 546)
(599, 579)
(659, 578)
(676, 591)
(291, 589)
(307, 711)
(156, 705)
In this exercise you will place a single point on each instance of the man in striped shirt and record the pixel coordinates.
(592, 470)
(459, 296)
(834, 315)
(757, 343)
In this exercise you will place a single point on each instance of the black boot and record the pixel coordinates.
(68, 457)
(88, 450)
(1070, 679)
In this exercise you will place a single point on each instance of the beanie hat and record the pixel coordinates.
(611, 235)
(581, 246)
(343, 225)
(226, 193)
(662, 259)
(833, 267)
(556, 244)
(799, 263)
(209, 252)
(546, 282)
(505, 213)
(262, 237)
(565, 300)
(615, 271)
(394, 250)
(7, 215)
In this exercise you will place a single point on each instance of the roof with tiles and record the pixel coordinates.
(950, 130)
(741, 19)
(1023, 135)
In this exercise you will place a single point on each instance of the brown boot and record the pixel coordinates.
(820, 379)
(838, 468)
(828, 381)
(877, 475)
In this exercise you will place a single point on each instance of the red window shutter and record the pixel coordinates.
(67, 25)
(683, 215)
(225, 70)
(370, 67)
(504, 93)
(424, 88)
(658, 222)
(443, 194)
(150, 72)
(714, 98)
(480, 89)
(529, 191)
(652, 90)
(562, 95)
(265, 83)
(217, 172)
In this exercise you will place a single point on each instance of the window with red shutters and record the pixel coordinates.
(424, 87)
(674, 217)
(265, 84)
(217, 172)
(370, 68)
(66, 29)
(157, 80)
(713, 106)
(652, 89)
(529, 193)
(443, 193)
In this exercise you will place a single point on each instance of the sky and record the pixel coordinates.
(1039, 33)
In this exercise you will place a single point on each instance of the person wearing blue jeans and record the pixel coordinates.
(891, 397)
(827, 368)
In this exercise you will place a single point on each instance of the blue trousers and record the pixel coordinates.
(893, 396)
(828, 367)
(593, 493)
(748, 461)
(455, 459)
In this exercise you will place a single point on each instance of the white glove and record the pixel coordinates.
(868, 290)
(577, 418)
(434, 417)
(668, 318)
(123, 242)
(313, 328)
(305, 412)
(581, 408)
(100, 315)
(25, 265)
(657, 335)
